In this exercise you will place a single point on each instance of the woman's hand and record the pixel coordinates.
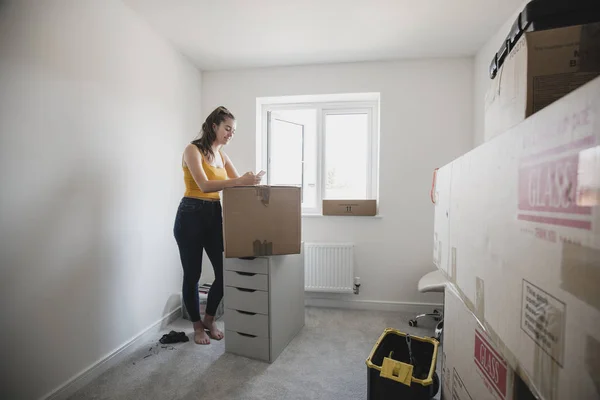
(249, 179)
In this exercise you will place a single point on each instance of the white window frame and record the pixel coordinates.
(325, 105)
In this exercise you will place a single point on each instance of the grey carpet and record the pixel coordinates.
(325, 361)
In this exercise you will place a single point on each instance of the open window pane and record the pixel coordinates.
(292, 152)
(286, 157)
(346, 156)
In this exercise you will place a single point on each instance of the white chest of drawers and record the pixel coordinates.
(264, 305)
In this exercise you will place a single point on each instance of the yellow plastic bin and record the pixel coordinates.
(400, 368)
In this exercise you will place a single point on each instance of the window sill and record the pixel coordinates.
(309, 215)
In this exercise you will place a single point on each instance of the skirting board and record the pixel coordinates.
(373, 305)
(79, 381)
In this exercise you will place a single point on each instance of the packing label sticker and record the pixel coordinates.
(459, 391)
(437, 250)
(453, 270)
(543, 320)
(491, 366)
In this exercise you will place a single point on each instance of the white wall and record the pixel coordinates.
(426, 122)
(95, 110)
(483, 59)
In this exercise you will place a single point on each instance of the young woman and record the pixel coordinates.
(198, 223)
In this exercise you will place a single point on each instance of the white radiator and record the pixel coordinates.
(329, 267)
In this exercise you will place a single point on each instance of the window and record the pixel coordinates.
(326, 144)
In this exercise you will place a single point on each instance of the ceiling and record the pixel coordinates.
(233, 34)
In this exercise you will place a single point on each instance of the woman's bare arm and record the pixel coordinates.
(193, 160)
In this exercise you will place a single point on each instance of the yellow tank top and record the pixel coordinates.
(212, 173)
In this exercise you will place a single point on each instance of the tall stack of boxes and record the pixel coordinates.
(517, 230)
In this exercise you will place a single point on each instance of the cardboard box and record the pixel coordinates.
(542, 67)
(472, 367)
(262, 221)
(520, 239)
(350, 207)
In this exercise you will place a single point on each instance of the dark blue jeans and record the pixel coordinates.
(198, 227)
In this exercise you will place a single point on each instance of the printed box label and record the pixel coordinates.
(543, 320)
(548, 187)
(493, 367)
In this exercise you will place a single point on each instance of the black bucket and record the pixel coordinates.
(402, 366)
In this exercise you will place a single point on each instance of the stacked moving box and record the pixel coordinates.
(517, 233)
(542, 67)
(517, 224)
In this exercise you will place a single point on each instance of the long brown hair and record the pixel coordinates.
(208, 134)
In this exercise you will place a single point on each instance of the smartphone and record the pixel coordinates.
(261, 174)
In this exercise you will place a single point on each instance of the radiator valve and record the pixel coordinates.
(356, 285)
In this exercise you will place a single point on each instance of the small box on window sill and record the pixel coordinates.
(350, 207)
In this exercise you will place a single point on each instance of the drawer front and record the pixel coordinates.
(247, 280)
(256, 347)
(244, 322)
(255, 301)
(259, 265)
